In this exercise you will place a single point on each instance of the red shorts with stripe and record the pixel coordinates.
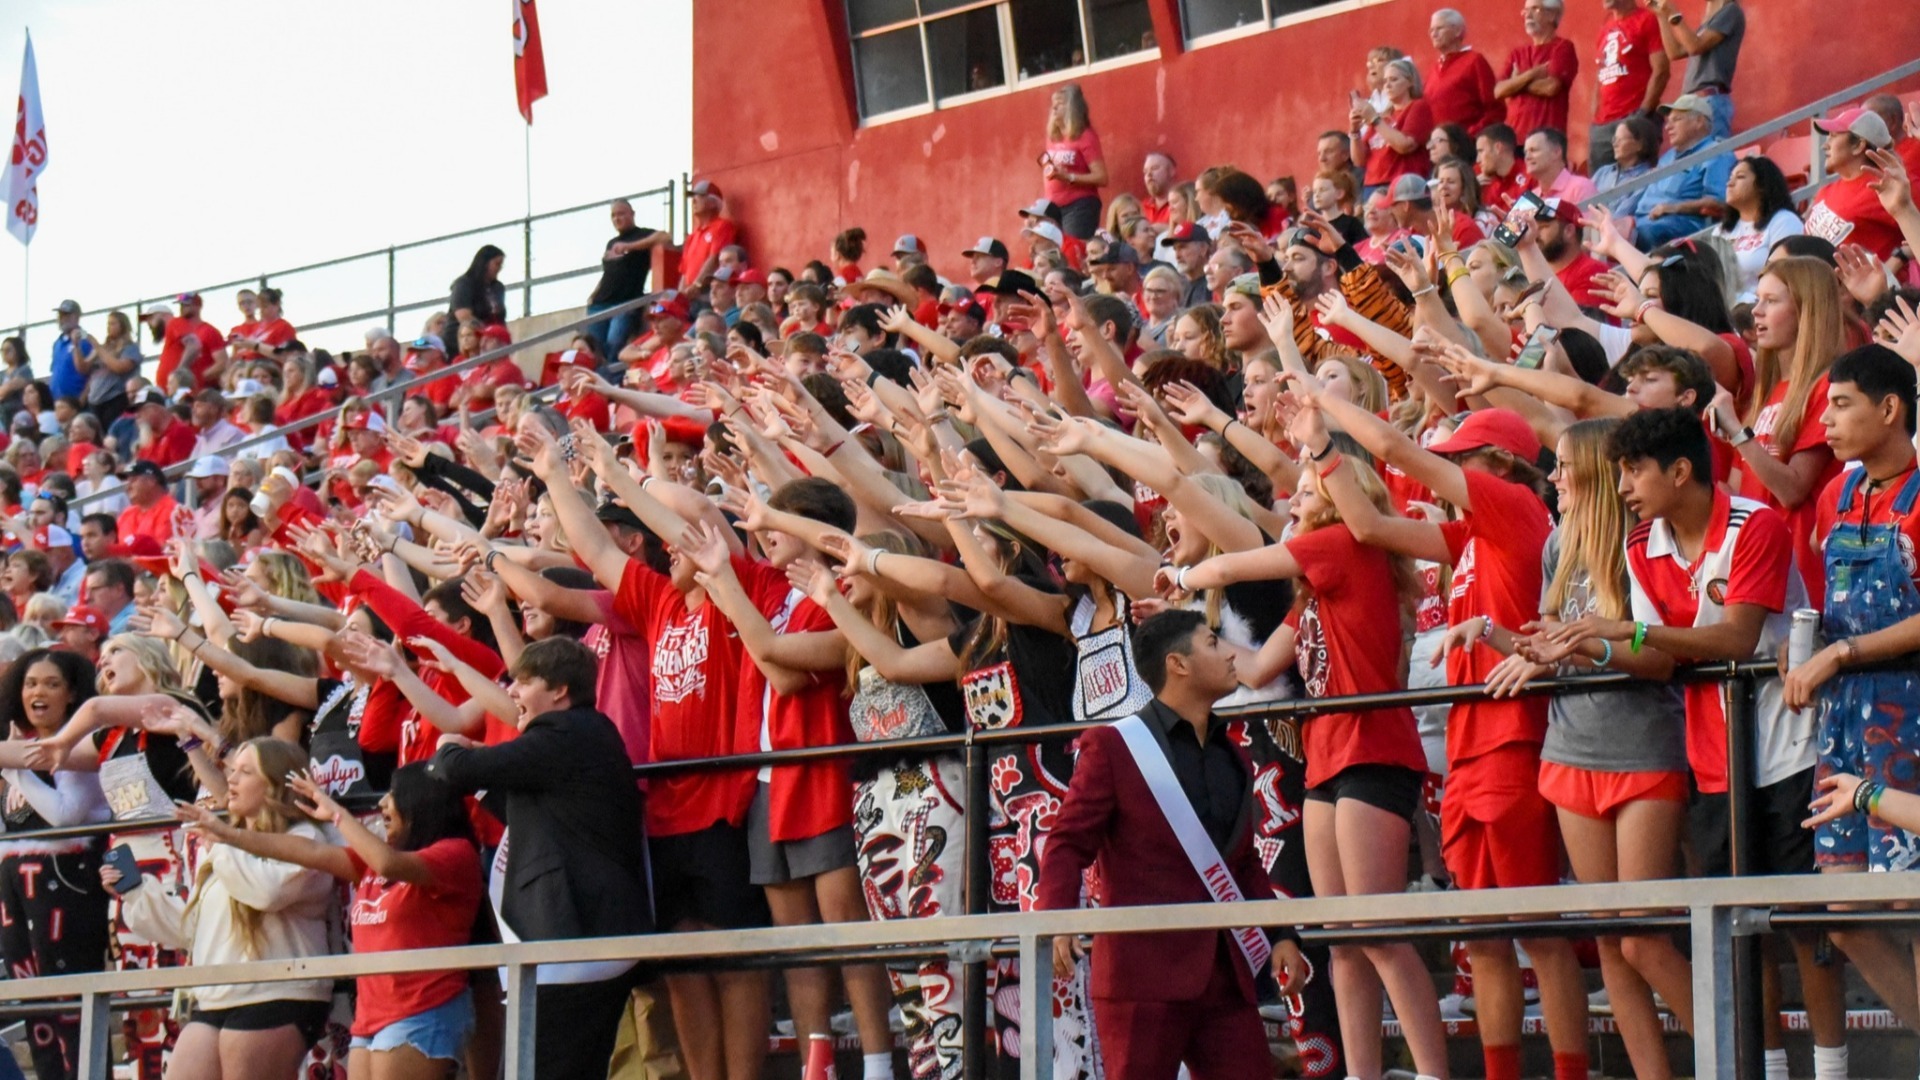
(1595, 794)
(1496, 831)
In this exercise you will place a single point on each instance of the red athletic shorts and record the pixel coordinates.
(1496, 831)
(1595, 794)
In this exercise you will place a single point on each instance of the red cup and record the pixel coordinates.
(819, 1058)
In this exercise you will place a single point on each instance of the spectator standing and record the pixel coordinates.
(1072, 165)
(1392, 142)
(1759, 214)
(625, 263)
(1848, 210)
(73, 351)
(1714, 50)
(1156, 178)
(1682, 204)
(192, 343)
(1144, 786)
(478, 294)
(1540, 73)
(707, 233)
(1460, 85)
(117, 357)
(1553, 178)
(1634, 70)
(265, 338)
(566, 867)
(1636, 143)
(1334, 153)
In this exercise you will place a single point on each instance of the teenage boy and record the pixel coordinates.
(1868, 529)
(1497, 831)
(696, 823)
(800, 835)
(568, 867)
(1711, 578)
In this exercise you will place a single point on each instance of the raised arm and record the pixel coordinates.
(1152, 466)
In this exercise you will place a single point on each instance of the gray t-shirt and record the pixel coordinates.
(1715, 66)
(1638, 730)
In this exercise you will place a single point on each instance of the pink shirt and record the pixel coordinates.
(1072, 156)
(1569, 185)
(621, 692)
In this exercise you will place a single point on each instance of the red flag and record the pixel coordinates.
(529, 63)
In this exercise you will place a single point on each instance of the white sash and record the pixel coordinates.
(1200, 849)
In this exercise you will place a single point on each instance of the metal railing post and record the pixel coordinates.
(1036, 1007)
(526, 278)
(392, 290)
(673, 216)
(1817, 162)
(517, 1048)
(1748, 1003)
(1714, 1049)
(96, 1037)
(975, 1026)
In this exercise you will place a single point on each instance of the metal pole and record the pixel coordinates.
(1036, 1007)
(673, 216)
(526, 235)
(974, 1026)
(1714, 1022)
(517, 1048)
(1749, 1032)
(391, 294)
(96, 1037)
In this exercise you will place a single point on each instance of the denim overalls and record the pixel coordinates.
(1870, 725)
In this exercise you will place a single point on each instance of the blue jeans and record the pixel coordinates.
(1650, 233)
(612, 334)
(1722, 106)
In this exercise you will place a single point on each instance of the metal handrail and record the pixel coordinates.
(668, 192)
(1732, 142)
(396, 391)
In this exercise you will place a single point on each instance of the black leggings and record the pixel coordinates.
(53, 921)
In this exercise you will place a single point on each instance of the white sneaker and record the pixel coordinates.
(842, 1023)
(1453, 1007)
(783, 1028)
(1599, 1004)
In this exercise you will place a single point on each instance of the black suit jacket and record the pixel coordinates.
(576, 852)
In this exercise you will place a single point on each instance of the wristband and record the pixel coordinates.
(1445, 255)
(1180, 579)
(191, 743)
(487, 563)
(1863, 796)
(1324, 452)
(1454, 275)
(1852, 647)
(1327, 470)
(873, 562)
(1431, 287)
(1640, 314)
(1231, 420)
(1873, 803)
(1639, 637)
(266, 627)
(1606, 653)
(831, 450)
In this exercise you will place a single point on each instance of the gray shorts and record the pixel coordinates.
(776, 862)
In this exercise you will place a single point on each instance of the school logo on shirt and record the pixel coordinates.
(1103, 679)
(1824, 223)
(1613, 56)
(1312, 649)
(679, 663)
(992, 697)
(1717, 591)
(1463, 571)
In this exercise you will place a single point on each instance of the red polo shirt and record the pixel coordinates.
(1528, 112)
(172, 446)
(1459, 90)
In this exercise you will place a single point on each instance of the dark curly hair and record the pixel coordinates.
(1666, 436)
(77, 670)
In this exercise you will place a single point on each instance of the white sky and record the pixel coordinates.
(252, 136)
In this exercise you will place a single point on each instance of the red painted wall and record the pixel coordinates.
(775, 124)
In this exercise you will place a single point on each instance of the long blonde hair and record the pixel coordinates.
(1406, 577)
(883, 611)
(1075, 121)
(1593, 525)
(1819, 337)
(287, 577)
(277, 814)
(151, 654)
(1227, 490)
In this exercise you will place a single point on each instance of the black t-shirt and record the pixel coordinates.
(1027, 681)
(624, 278)
(165, 759)
(487, 301)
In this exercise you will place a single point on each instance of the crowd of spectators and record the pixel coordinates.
(1457, 410)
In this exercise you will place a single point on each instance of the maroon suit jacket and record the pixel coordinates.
(1110, 815)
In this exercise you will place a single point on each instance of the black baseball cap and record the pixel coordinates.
(145, 468)
(987, 245)
(614, 513)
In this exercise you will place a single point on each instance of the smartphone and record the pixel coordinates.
(385, 483)
(121, 859)
(1506, 232)
(1534, 352)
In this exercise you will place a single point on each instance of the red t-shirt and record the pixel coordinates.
(1157, 213)
(697, 658)
(1384, 165)
(276, 334)
(804, 800)
(172, 348)
(1848, 212)
(1578, 277)
(1459, 90)
(1527, 112)
(1628, 44)
(154, 521)
(1757, 575)
(1072, 156)
(1496, 573)
(1340, 653)
(1871, 508)
(1909, 151)
(1465, 232)
(703, 243)
(395, 916)
(590, 407)
(1499, 192)
(172, 446)
(1811, 438)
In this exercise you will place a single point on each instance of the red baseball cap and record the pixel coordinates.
(82, 615)
(367, 420)
(1502, 429)
(674, 308)
(575, 358)
(77, 455)
(1186, 231)
(750, 276)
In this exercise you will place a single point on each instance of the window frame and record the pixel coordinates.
(1009, 60)
(1270, 22)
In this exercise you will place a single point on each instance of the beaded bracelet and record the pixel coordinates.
(1606, 653)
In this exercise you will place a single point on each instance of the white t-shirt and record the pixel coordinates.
(1750, 247)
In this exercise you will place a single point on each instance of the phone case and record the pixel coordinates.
(121, 859)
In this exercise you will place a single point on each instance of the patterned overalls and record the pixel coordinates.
(1870, 725)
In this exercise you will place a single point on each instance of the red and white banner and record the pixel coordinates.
(29, 156)
(529, 63)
